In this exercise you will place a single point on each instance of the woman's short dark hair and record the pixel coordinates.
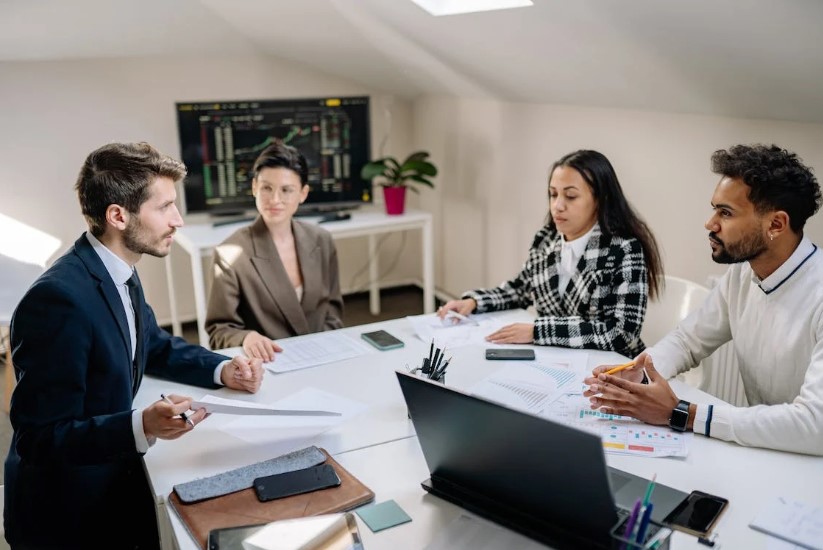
(280, 155)
(777, 179)
(121, 173)
(614, 213)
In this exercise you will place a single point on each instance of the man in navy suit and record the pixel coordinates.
(82, 337)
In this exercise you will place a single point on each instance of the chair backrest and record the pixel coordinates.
(680, 297)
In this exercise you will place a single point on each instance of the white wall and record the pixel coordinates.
(52, 114)
(495, 157)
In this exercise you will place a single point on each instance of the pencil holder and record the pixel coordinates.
(658, 537)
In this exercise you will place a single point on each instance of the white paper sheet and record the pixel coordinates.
(316, 349)
(793, 521)
(215, 404)
(289, 431)
(620, 434)
(528, 385)
(472, 533)
(454, 333)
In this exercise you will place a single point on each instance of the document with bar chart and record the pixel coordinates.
(529, 386)
(620, 434)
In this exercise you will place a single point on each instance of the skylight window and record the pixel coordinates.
(453, 7)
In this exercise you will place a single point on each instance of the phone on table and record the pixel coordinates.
(502, 354)
(296, 482)
(697, 514)
(382, 340)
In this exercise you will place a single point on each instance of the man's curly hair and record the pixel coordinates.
(778, 180)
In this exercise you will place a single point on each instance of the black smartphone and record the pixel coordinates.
(503, 354)
(382, 340)
(295, 483)
(697, 514)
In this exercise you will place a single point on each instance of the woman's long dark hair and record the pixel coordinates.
(614, 213)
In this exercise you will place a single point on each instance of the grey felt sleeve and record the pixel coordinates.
(243, 477)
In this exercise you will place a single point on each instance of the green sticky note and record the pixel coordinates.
(382, 516)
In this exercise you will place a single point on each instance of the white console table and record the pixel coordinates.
(199, 239)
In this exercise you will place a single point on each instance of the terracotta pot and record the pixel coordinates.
(395, 199)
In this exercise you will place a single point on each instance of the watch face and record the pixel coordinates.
(679, 419)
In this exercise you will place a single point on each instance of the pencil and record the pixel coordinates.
(624, 366)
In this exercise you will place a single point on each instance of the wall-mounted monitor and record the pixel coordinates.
(220, 140)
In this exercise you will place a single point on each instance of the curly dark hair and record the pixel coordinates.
(777, 178)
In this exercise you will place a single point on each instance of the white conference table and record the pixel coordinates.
(379, 448)
(199, 239)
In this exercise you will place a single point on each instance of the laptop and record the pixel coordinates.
(536, 476)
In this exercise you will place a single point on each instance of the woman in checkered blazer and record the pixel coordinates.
(590, 269)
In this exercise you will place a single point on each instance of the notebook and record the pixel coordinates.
(242, 508)
(536, 476)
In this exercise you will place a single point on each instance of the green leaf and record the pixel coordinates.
(421, 179)
(372, 170)
(418, 156)
(421, 167)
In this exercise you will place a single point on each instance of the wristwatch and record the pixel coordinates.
(680, 416)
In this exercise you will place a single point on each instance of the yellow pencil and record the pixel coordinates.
(624, 366)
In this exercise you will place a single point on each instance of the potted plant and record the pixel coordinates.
(398, 176)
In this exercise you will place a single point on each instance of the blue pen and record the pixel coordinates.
(627, 533)
(644, 524)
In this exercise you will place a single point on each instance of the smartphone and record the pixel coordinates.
(295, 483)
(502, 354)
(697, 514)
(382, 340)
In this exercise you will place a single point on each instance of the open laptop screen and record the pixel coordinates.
(554, 473)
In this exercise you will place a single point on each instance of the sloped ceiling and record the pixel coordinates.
(749, 58)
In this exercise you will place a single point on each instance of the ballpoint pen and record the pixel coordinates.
(630, 523)
(644, 524)
(182, 414)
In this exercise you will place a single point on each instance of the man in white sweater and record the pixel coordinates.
(769, 304)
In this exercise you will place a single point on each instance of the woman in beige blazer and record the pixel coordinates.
(277, 277)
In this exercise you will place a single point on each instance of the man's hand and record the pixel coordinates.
(243, 373)
(163, 421)
(622, 393)
(517, 333)
(257, 345)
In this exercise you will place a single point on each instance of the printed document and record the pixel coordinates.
(792, 521)
(316, 349)
(454, 333)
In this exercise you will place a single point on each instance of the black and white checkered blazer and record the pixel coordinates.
(604, 303)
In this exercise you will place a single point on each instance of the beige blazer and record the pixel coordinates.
(251, 290)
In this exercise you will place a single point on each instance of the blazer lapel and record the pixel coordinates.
(580, 282)
(311, 268)
(273, 275)
(552, 261)
(109, 292)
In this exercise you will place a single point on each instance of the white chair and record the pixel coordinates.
(680, 297)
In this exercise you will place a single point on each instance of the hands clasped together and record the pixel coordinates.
(624, 393)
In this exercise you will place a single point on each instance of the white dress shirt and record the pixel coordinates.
(570, 252)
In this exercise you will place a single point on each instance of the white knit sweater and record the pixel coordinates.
(777, 336)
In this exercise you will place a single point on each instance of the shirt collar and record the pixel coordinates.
(118, 269)
(787, 269)
(578, 245)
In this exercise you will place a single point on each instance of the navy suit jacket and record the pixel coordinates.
(73, 469)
